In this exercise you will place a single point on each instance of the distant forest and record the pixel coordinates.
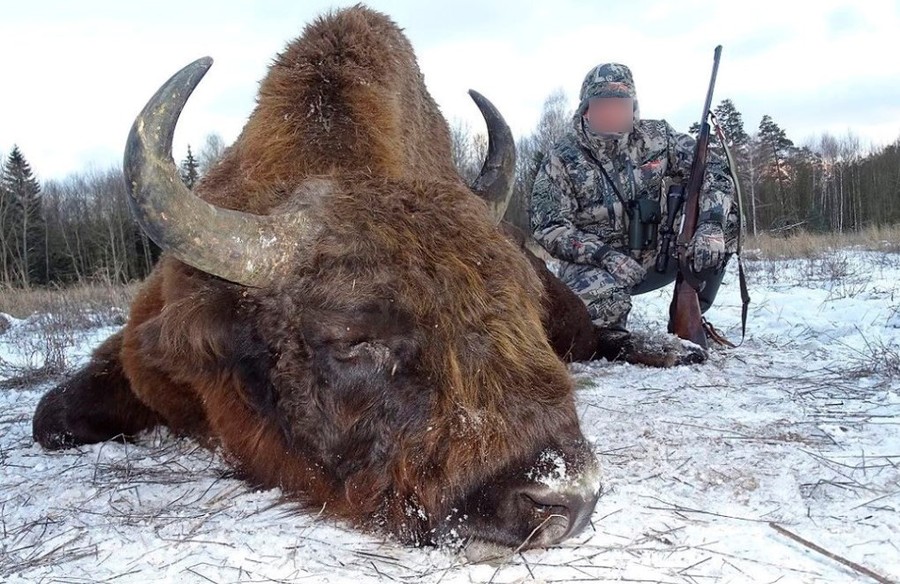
(79, 229)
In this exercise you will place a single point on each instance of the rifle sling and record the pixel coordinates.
(742, 278)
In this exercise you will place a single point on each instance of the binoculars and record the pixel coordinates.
(643, 228)
(643, 219)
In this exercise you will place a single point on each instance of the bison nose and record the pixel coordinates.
(555, 515)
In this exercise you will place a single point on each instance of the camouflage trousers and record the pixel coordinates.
(609, 302)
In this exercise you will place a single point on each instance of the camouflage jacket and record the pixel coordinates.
(575, 212)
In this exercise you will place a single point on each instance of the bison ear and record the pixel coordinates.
(209, 344)
(251, 362)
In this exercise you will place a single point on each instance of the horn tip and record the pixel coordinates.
(203, 63)
(479, 99)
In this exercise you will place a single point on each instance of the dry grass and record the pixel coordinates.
(806, 245)
(91, 297)
(55, 322)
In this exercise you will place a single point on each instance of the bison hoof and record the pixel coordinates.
(663, 350)
(690, 353)
(49, 428)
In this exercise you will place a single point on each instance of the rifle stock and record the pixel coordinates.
(685, 319)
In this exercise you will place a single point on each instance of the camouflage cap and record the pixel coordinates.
(607, 80)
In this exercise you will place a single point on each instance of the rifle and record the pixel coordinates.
(685, 320)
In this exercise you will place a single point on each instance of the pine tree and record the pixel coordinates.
(730, 119)
(732, 123)
(776, 144)
(738, 142)
(775, 137)
(23, 226)
(190, 169)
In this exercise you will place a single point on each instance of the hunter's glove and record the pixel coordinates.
(707, 249)
(622, 267)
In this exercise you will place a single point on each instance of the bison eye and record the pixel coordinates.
(377, 341)
(374, 353)
(367, 360)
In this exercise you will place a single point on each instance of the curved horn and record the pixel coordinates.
(236, 246)
(498, 174)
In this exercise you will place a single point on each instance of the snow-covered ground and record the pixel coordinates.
(799, 427)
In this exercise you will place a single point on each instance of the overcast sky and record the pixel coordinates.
(74, 74)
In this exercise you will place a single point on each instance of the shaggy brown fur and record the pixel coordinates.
(398, 373)
(346, 98)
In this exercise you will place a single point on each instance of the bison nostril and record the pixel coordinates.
(550, 522)
(556, 515)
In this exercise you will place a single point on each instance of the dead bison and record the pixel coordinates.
(340, 313)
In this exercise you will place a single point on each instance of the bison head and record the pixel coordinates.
(380, 351)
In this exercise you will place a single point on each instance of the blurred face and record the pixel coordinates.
(610, 115)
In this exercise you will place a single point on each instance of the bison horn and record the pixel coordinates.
(497, 178)
(236, 246)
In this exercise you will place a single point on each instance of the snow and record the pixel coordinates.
(556, 476)
(799, 426)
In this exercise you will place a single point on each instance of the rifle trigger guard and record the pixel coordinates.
(691, 277)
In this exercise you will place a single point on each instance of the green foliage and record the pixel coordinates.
(190, 169)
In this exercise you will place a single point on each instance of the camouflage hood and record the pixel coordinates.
(604, 80)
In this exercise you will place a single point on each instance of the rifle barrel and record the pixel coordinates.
(712, 84)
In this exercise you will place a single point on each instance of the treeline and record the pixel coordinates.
(832, 183)
(77, 229)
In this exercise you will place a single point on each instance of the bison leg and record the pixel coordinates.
(652, 349)
(94, 405)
